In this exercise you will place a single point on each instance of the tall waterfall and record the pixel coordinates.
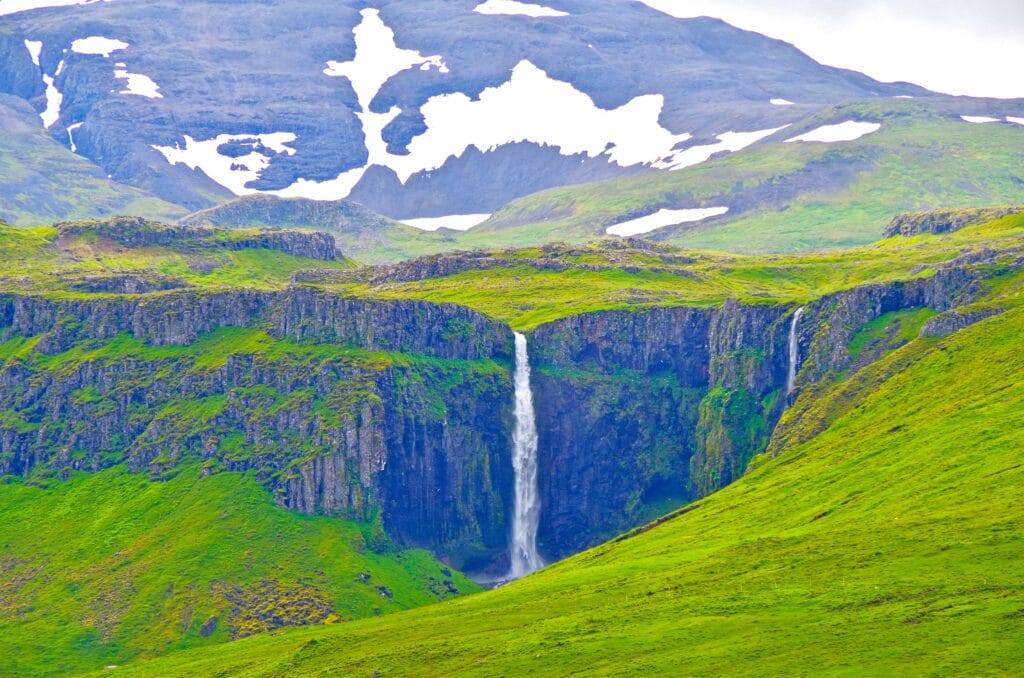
(794, 350)
(525, 558)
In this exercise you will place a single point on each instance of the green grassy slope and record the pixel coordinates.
(103, 568)
(37, 260)
(526, 296)
(889, 544)
(44, 182)
(793, 197)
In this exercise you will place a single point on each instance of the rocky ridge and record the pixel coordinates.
(136, 232)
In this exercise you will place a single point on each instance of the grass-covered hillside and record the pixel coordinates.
(44, 182)
(794, 197)
(531, 286)
(99, 569)
(883, 537)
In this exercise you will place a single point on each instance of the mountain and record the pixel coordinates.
(414, 109)
(43, 181)
(197, 362)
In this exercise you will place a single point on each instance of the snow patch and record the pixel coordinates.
(54, 99)
(15, 6)
(455, 222)
(516, 8)
(729, 142)
(781, 102)
(71, 135)
(232, 173)
(844, 131)
(35, 49)
(138, 84)
(532, 107)
(378, 59)
(663, 218)
(98, 45)
(978, 119)
(1016, 121)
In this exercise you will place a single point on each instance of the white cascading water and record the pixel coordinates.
(794, 351)
(525, 558)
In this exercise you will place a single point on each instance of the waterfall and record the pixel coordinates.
(794, 350)
(524, 556)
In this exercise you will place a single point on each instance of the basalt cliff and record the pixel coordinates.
(401, 411)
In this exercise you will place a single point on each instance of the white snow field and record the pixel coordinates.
(138, 84)
(663, 218)
(455, 222)
(98, 45)
(844, 131)
(729, 142)
(516, 8)
(781, 102)
(978, 119)
(35, 49)
(54, 99)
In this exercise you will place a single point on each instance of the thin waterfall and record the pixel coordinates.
(524, 556)
(794, 350)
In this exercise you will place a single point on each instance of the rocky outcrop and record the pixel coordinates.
(136, 232)
(955, 320)
(345, 407)
(832, 321)
(944, 221)
(639, 411)
(177, 318)
(126, 284)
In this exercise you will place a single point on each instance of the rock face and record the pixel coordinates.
(136, 232)
(641, 411)
(944, 221)
(831, 322)
(353, 408)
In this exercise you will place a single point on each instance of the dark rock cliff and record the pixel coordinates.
(396, 410)
(641, 411)
(831, 322)
(402, 410)
(945, 221)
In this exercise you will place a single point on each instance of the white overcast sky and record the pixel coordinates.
(973, 47)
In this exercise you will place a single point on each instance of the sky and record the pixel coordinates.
(968, 47)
